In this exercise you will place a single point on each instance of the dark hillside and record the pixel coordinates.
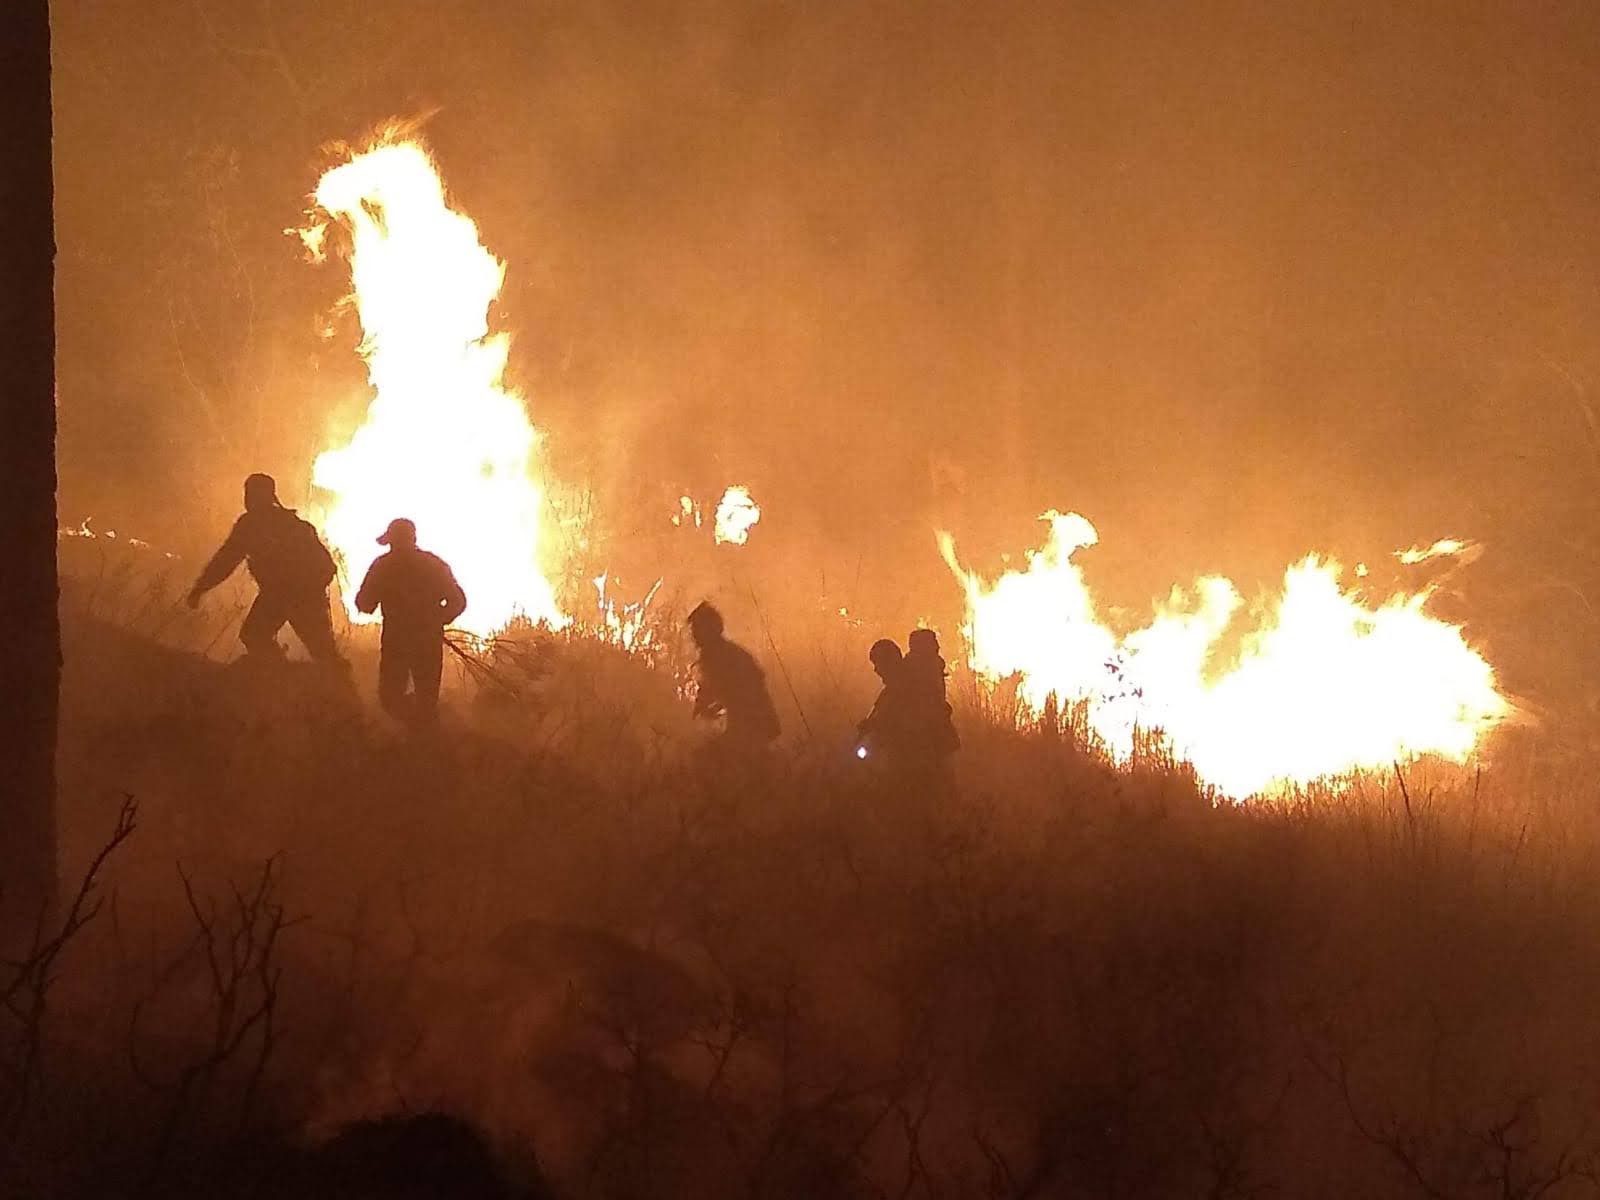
(559, 925)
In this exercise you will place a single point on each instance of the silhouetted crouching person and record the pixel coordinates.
(419, 596)
(731, 685)
(291, 567)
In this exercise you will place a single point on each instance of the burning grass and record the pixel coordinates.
(640, 976)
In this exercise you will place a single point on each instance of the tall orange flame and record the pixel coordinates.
(1321, 683)
(444, 441)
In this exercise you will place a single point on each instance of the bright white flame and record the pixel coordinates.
(736, 514)
(1318, 684)
(688, 513)
(444, 441)
(624, 625)
(1443, 548)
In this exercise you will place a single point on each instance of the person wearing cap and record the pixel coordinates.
(292, 570)
(419, 596)
(731, 684)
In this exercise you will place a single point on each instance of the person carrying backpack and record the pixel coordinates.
(909, 733)
(925, 675)
(292, 570)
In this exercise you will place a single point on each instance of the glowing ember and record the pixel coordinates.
(83, 531)
(1318, 683)
(736, 514)
(444, 442)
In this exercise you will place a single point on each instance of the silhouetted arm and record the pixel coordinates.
(367, 596)
(707, 703)
(873, 720)
(455, 600)
(223, 563)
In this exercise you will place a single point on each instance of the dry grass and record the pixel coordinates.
(561, 924)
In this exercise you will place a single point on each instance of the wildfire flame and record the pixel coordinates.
(737, 513)
(688, 513)
(1314, 683)
(83, 531)
(1443, 548)
(444, 441)
(624, 625)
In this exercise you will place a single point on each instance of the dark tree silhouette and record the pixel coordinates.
(30, 641)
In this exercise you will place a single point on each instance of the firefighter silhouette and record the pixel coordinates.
(732, 685)
(419, 596)
(291, 567)
(910, 724)
(925, 675)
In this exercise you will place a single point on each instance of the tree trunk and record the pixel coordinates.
(30, 636)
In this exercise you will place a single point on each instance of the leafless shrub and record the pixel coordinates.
(27, 981)
(236, 941)
(1500, 1155)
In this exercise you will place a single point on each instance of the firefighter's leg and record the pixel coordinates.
(312, 625)
(427, 665)
(259, 631)
(394, 668)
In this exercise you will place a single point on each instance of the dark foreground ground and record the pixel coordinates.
(555, 953)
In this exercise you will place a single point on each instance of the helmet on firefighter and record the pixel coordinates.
(705, 621)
